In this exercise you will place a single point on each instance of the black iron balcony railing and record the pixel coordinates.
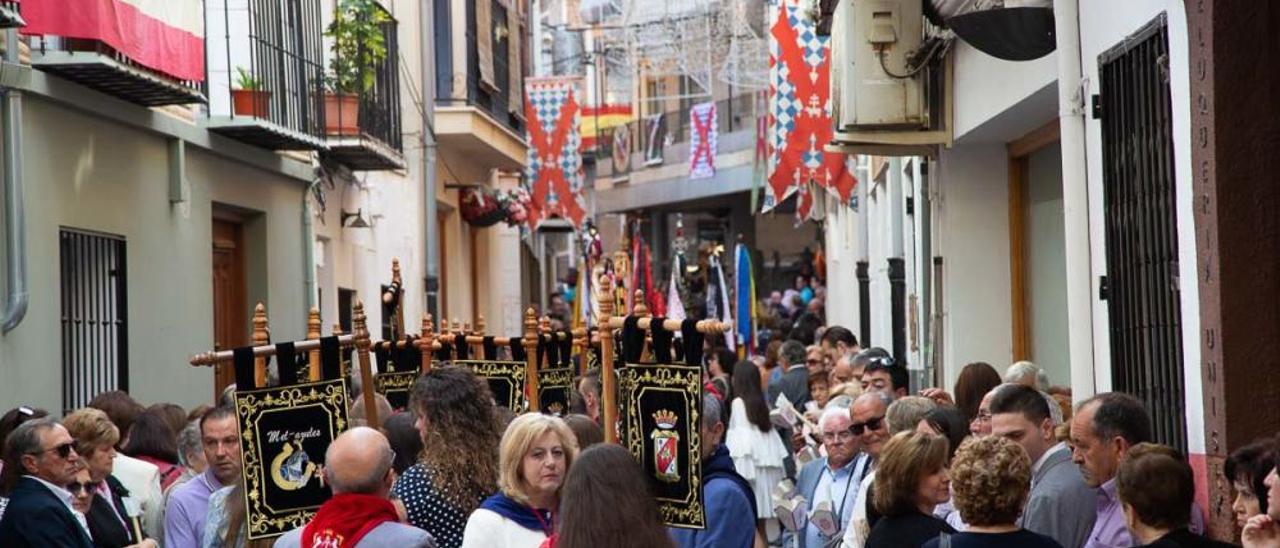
(368, 135)
(276, 75)
(97, 65)
(495, 96)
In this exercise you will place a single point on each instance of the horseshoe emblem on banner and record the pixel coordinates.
(292, 470)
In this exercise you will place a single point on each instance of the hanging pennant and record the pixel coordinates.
(800, 110)
(702, 141)
(554, 169)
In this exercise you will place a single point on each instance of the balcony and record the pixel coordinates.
(144, 55)
(266, 77)
(366, 136)
(479, 111)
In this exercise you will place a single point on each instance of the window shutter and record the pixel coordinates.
(484, 42)
(515, 87)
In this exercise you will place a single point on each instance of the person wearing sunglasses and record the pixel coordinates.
(82, 489)
(110, 522)
(40, 513)
(832, 480)
(885, 374)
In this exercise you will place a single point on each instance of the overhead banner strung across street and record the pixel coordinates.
(554, 170)
(702, 141)
(800, 111)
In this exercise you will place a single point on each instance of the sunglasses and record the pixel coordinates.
(83, 487)
(858, 427)
(63, 450)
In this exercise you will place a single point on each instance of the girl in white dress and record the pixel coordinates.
(757, 450)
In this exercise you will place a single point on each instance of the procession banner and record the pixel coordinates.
(554, 167)
(661, 410)
(554, 389)
(284, 434)
(703, 140)
(398, 371)
(506, 380)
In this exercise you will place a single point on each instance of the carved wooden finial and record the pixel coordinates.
(466, 328)
(638, 308)
(313, 323)
(395, 270)
(359, 327)
(480, 325)
(426, 342)
(337, 329)
(604, 297)
(261, 332)
(544, 324)
(530, 323)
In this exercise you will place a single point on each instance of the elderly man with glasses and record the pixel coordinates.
(40, 512)
(835, 478)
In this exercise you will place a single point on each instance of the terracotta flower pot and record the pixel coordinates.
(341, 114)
(250, 102)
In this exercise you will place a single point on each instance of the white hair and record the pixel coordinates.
(832, 412)
(1022, 369)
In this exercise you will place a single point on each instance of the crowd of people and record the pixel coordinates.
(808, 445)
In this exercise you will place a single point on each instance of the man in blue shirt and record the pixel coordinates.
(727, 497)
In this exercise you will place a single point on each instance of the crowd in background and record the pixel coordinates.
(816, 442)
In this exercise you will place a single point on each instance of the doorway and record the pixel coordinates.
(230, 322)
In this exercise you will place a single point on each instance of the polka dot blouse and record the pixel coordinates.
(428, 509)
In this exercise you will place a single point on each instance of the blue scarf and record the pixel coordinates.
(507, 507)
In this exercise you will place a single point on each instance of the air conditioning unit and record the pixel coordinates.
(888, 76)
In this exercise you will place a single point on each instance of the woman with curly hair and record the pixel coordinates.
(990, 479)
(459, 466)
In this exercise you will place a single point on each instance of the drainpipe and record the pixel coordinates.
(1075, 199)
(430, 226)
(309, 245)
(14, 214)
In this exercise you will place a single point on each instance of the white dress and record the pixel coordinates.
(757, 456)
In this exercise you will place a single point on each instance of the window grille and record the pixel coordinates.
(95, 353)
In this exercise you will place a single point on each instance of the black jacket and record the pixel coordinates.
(106, 527)
(1183, 538)
(36, 518)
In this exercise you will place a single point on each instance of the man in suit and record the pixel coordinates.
(795, 377)
(40, 512)
(1060, 505)
(834, 479)
(358, 468)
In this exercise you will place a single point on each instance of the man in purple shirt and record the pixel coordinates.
(1103, 430)
(185, 516)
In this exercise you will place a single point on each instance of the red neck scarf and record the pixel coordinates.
(345, 519)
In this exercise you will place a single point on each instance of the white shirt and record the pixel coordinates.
(65, 496)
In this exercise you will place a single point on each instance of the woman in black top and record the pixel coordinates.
(990, 479)
(109, 521)
(459, 466)
(910, 480)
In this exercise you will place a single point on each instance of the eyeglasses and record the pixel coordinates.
(814, 362)
(64, 450)
(858, 428)
(982, 418)
(83, 487)
(841, 436)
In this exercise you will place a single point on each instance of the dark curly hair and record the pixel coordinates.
(460, 434)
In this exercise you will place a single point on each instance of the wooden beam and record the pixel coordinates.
(1018, 171)
(1034, 140)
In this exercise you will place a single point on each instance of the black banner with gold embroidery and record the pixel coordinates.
(506, 380)
(284, 434)
(555, 386)
(661, 406)
(399, 369)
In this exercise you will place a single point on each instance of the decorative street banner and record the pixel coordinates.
(284, 434)
(800, 110)
(554, 389)
(702, 141)
(655, 128)
(399, 369)
(621, 153)
(661, 407)
(554, 171)
(506, 380)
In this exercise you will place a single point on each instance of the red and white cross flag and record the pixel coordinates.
(702, 142)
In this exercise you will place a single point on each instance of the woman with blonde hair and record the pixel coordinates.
(109, 521)
(533, 457)
(910, 481)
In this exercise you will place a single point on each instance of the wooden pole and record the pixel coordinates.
(263, 351)
(544, 327)
(344, 368)
(313, 333)
(609, 403)
(478, 347)
(261, 336)
(582, 347)
(641, 310)
(531, 358)
(366, 372)
(425, 341)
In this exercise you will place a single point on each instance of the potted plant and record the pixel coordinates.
(358, 49)
(247, 97)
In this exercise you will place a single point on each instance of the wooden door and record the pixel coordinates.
(230, 324)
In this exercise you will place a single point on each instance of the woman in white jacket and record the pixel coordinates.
(757, 450)
(535, 453)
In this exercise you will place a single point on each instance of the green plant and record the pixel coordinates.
(358, 45)
(246, 80)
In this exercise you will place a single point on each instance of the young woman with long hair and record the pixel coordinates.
(459, 466)
(757, 450)
(607, 502)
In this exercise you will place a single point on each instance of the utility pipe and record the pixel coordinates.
(309, 244)
(1075, 199)
(14, 211)
(430, 226)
